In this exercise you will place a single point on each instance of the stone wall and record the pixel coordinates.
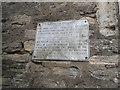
(19, 28)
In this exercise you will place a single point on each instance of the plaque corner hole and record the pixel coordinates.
(86, 57)
(85, 21)
(39, 24)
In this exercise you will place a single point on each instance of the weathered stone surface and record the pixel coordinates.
(95, 83)
(113, 60)
(8, 74)
(86, 8)
(19, 26)
(116, 80)
(13, 64)
(30, 34)
(13, 47)
(108, 32)
(104, 67)
(21, 81)
(107, 74)
(18, 66)
(21, 20)
(20, 58)
(29, 45)
(32, 67)
(53, 63)
(57, 71)
(50, 82)
(103, 62)
(114, 44)
(104, 46)
(107, 18)
(69, 72)
(76, 75)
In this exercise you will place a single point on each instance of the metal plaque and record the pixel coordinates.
(62, 40)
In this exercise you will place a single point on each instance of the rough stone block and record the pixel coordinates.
(107, 18)
(30, 34)
(101, 46)
(15, 58)
(104, 67)
(29, 45)
(21, 20)
(110, 60)
(14, 47)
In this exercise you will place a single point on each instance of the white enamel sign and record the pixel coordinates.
(62, 40)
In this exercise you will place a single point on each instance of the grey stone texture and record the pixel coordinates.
(19, 22)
